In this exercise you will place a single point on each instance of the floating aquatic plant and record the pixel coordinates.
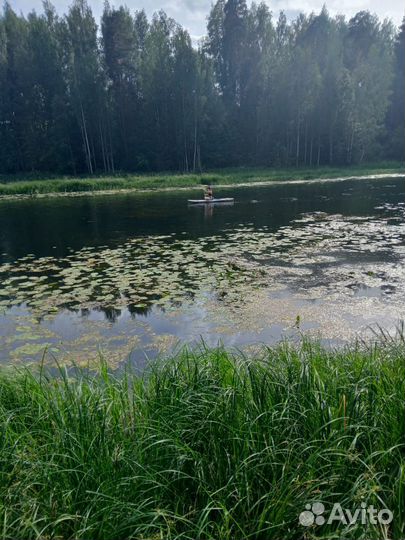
(317, 256)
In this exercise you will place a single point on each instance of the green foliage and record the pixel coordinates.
(395, 126)
(209, 444)
(318, 90)
(32, 186)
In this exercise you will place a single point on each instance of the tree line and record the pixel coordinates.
(134, 94)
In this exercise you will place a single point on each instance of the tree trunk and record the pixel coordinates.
(195, 147)
(331, 146)
(86, 141)
(103, 154)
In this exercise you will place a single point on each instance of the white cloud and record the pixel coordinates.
(392, 9)
(193, 13)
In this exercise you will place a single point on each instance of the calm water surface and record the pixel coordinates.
(133, 275)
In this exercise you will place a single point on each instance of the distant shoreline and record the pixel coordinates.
(78, 187)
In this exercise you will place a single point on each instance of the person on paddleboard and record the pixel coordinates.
(208, 194)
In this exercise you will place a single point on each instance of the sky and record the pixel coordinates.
(192, 14)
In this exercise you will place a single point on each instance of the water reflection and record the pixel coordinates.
(129, 274)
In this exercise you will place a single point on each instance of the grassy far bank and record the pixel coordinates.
(209, 445)
(12, 186)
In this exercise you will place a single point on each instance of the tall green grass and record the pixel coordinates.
(37, 185)
(208, 445)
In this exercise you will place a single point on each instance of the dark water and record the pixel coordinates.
(368, 213)
(51, 226)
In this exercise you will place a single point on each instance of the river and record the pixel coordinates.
(133, 276)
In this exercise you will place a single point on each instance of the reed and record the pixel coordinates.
(210, 444)
(33, 185)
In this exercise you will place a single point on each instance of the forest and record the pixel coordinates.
(131, 94)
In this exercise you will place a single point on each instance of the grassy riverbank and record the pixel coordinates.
(31, 185)
(209, 446)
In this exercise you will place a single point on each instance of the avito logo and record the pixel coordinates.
(315, 514)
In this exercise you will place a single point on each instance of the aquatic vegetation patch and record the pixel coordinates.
(142, 272)
(354, 265)
(166, 270)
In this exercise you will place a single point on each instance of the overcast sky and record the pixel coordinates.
(193, 13)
